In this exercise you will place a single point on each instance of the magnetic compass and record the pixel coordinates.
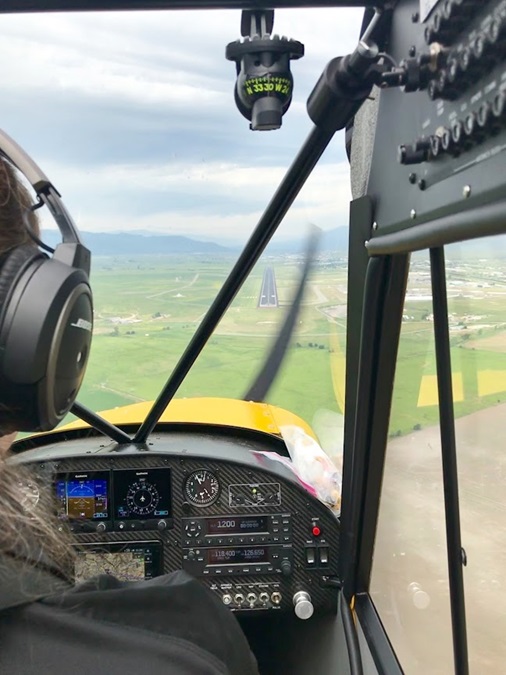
(202, 488)
(142, 498)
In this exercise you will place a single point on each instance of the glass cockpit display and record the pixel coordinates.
(140, 494)
(83, 495)
(127, 562)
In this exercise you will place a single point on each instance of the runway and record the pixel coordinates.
(268, 293)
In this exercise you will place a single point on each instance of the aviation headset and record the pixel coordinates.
(46, 315)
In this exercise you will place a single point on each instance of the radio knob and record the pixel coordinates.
(303, 606)
(191, 554)
(101, 527)
(286, 568)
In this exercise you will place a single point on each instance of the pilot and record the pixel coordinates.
(167, 625)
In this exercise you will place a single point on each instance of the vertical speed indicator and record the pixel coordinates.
(202, 488)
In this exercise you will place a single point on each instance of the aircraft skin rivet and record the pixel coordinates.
(466, 191)
(412, 214)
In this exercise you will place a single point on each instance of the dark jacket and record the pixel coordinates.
(170, 625)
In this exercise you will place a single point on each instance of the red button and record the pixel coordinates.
(316, 531)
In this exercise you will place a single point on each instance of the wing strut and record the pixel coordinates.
(284, 197)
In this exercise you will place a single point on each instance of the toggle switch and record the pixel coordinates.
(323, 552)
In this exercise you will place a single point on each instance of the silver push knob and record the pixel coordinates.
(303, 606)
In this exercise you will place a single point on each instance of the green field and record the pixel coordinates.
(477, 320)
(148, 308)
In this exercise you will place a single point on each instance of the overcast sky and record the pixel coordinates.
(132, 116)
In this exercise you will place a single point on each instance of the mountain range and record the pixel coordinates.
(123, 243)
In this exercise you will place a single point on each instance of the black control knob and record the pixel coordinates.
(101, 527)
(498, 105)
(449, 84)
(435, 146)
(450, 13)
(443, 30)
(465, 61)
(162, 525)
(465, 8)
(499, 109)
(446, 139)
(483, 115)
(471, 61)
(433, 90)
(286, 568)
(416, 153)
(496, 36)
(457, 128)
(470, 127)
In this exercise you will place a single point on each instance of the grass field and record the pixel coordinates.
(148, 308)
(477, 320)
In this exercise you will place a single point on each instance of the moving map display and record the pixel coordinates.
(127, 562)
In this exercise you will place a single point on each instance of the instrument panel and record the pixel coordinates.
(206, 503)
(445, 144)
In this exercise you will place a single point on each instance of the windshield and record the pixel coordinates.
(132, 116)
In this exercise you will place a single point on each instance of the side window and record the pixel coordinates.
(477, 319)
(409, 582)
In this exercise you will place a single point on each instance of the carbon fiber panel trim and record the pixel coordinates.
(305, 512)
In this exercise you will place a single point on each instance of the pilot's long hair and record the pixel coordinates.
(30, 531)
(15, 219)
(15, 210)
(27, 532)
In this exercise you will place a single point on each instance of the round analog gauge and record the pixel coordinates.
(30, 495)
(202, 488)
(142, 498)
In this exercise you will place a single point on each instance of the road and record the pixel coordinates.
(269, 292)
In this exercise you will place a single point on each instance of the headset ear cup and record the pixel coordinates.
(14, 263)
(45, 335)
(11, 268)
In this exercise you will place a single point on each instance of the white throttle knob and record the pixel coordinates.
(303, 606)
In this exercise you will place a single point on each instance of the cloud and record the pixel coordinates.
(132, 116)
(215, 200)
